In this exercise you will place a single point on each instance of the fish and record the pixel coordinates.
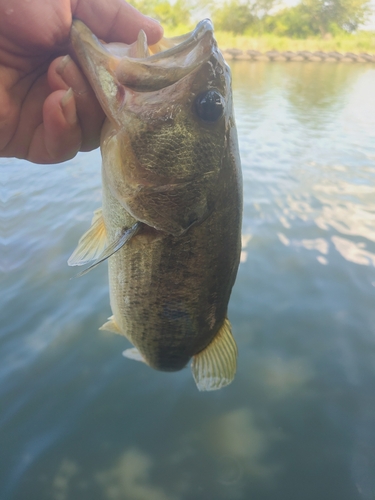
(170, 221)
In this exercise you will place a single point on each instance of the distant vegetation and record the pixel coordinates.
(266, 24)
(170, 16)
(308, 18)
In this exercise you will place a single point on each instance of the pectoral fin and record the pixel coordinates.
(92, 243)
(215, 366)
(111, 326)
(125, 235)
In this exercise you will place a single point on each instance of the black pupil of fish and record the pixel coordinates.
(209, 106)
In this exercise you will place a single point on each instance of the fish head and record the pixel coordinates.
(166, 140)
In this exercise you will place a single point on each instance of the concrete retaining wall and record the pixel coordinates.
(303, 55)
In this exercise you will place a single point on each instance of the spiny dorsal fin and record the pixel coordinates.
(215, 366)
(111, 326)
(92, 243)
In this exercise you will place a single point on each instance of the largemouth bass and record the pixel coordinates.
(170, 222)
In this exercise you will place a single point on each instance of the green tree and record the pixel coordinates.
(293, 22)
(319, 17)
(240, 16)
(345, 14)
(233, 16)
(166, 13)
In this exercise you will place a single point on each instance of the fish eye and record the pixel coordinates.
(209, 106)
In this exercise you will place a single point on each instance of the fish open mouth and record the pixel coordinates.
(138, 66)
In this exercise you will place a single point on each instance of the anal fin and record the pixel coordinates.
(111, 326)
(215, 366)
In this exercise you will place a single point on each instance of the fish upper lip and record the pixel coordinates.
(191, 39)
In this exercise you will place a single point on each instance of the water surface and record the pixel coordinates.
(80, 422)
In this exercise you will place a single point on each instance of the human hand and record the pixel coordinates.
(48, 111)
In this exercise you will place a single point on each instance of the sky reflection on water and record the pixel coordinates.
(78, 421)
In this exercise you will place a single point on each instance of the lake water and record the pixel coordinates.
(78, 421)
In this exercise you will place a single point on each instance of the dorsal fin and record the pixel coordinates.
(215, 366)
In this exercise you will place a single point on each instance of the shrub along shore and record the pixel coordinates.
(362, 42)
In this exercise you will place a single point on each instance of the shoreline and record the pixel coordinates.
(301, 55)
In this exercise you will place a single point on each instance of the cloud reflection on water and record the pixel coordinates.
(130, 479)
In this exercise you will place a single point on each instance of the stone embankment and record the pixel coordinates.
(303, 55)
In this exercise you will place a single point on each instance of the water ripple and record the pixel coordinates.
(78, 421)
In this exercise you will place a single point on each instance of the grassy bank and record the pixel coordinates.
(363, 41)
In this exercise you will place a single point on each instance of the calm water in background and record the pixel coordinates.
(80, 422)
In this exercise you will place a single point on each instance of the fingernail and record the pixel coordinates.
(62, 64)
(68, 107)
